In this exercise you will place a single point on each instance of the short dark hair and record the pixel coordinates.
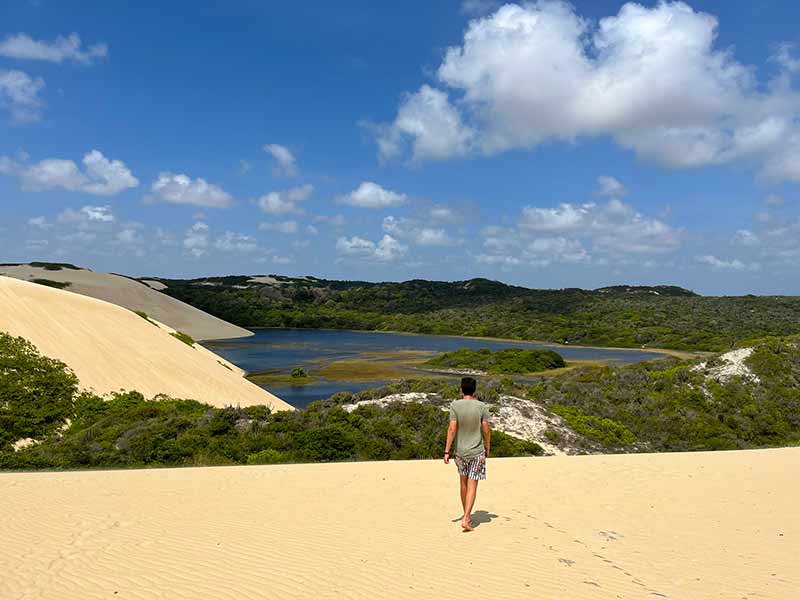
(468, 386)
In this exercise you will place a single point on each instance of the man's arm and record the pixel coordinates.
(487, 436)
(451, 434)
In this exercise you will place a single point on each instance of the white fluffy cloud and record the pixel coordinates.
(611, 187)
(286, 162)
(196, 239)
(285, 202)
(19, 94)
(509, 248)
(22, 46)
(235, 242)
(563, 249)
(388, 249)
(182, 189)
(87, 215)
(286, 227)
(649, 77)
(577, 233)
(730, 265)
(100, 176)
(443, 214)
(773, 240)
(416, 233)
(106, 177)
(372, 195)
(431, 122)
(615, 226)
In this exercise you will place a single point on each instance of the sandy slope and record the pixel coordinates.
(682, 526)
(136, 296)
(112, 348)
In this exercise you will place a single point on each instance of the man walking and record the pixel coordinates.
(469, 426)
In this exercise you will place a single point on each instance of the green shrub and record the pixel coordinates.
(36, 393)
(50, 266)
(53, 284)
(604, 430)
(510, 360)
(299, 372)
(185, 338)
(270, 456)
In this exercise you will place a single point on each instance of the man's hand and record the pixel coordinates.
(451, 435)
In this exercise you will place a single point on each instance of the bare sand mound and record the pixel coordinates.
(112, 348)
(136, 296)
(682, 526)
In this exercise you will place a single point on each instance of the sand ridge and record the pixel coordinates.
(681, 526)
(134, 295)
(111, 348)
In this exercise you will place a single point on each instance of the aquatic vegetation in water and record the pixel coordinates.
(510, 360)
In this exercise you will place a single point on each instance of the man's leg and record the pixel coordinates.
(472, 492)
(464, 480)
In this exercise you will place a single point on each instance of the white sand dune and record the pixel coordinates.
(681, 526)
(136, 296)
(111, 348)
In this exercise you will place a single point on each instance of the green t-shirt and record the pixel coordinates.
(469, 414)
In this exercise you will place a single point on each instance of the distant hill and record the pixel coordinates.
(620, 315)
(636, 290)
(127, 292)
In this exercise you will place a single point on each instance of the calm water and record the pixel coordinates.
(286, 348)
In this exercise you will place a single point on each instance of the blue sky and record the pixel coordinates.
(545, 144)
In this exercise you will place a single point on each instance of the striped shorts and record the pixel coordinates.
(473, 467)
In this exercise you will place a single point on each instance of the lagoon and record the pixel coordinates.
(280, 350)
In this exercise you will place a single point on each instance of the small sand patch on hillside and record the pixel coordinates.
(156, 285)
(728, 365)
(263, 279)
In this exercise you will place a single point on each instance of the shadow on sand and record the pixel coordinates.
(479, 517)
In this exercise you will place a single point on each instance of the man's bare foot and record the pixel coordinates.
(466, 525)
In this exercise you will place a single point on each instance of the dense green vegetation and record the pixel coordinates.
(36, 393)
(130, 431)
(40, 395)
(660, 405)
(622, 316)
(601, 429)
(666, 405)
(510, 360)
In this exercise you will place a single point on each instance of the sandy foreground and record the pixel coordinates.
(111, 348)
(135, 296)
(684, 526)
